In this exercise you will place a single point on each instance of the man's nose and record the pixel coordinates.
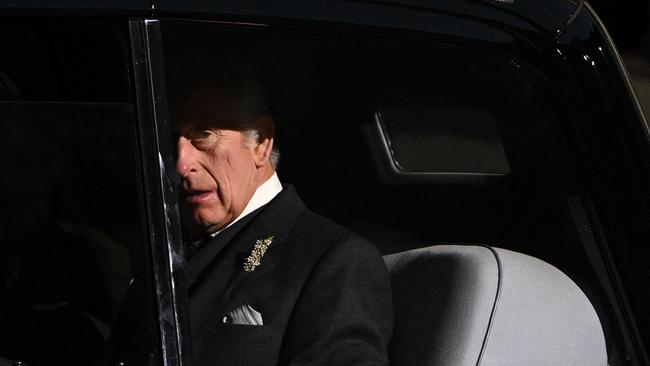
(185, 161)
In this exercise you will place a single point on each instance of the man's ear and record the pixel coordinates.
(262, 152)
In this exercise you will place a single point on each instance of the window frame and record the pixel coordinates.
(161, 203)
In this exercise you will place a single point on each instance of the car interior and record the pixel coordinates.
(407, 147)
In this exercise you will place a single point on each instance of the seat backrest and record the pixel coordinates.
(476, 305)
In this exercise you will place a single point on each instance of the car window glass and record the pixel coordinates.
(71, 227)
(447, 106)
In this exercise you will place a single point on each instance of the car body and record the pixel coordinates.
(560, 172)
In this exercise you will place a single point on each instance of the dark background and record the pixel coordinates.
(628, 22)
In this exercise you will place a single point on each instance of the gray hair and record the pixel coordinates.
(251, 136)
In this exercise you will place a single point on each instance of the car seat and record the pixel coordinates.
(476, 305)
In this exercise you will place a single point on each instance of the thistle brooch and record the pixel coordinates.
(253, 260)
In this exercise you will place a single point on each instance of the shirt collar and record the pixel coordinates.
(263, 195)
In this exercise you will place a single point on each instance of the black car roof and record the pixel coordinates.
(545, 15)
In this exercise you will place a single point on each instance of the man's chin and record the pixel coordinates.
(209, 224)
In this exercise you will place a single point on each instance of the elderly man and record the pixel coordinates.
(269, 281)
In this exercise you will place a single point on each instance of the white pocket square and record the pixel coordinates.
(243, 315)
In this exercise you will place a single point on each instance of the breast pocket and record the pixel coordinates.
(235, 344)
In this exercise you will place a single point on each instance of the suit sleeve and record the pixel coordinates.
(343, 315)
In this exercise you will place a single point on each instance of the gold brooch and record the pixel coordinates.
(257, 253)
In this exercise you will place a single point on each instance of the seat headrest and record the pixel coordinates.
(475, 305)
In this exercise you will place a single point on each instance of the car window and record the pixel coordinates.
(71, 212)
(355, 109)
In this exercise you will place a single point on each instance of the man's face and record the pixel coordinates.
(218, 174)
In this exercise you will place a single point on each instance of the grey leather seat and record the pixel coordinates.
(475, 305)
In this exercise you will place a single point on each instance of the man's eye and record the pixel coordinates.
(202, 138)
(200, 134)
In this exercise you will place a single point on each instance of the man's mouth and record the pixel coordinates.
(195, 197)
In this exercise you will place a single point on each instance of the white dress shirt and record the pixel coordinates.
(263, 195)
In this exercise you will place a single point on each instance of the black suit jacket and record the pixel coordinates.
(324, 293)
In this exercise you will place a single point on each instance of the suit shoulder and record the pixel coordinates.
(311, 224)
(333, 241)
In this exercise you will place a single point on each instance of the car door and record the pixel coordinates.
(84, 236)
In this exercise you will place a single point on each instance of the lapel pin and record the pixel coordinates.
(253, 260)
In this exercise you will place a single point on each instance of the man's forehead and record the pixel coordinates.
(213, 124)
(210, 109)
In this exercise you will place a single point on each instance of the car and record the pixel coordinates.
(505, 124)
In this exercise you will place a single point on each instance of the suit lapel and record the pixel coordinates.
(275, 220)
(209, 253)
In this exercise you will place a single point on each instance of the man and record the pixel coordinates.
(269, 282)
